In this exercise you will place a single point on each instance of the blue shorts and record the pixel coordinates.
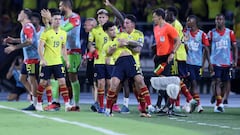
(125, 68)
(58, 71)
(194, 72)
(103, 71)
(222, 73)
(30, 69)
(23, 69)
(163, 59)
(182, 69)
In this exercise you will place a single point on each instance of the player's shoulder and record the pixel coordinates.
(138, 32)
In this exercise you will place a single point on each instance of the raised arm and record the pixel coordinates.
(116, 12)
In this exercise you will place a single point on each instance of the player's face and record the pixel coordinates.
(128, 24)
(190, 22)
(111, 32)
(220, 21)
(21, 16)
(102, 19)
(88, 25)
(35, 21)
(62, 7)
(156, 19)
(56, 20)
(169, 17)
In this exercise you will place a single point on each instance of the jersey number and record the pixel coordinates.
(56, 44)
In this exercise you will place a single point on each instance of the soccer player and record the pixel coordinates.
(98, 37)
(51, 48)
(128, 28)
(223, 41)
(28, 41)
(125, 68)
(71, 23)
(196, 42)
(180, 66)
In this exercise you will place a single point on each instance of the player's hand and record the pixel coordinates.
(9, 49)
(8, 40)
(122, 42)
(46, 15)
(67, 64)
(43, 63)
(186, 37)
(107, 3)
(170, 57)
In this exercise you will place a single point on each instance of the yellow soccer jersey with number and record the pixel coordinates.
(110, 43)
(100, 38)
(53, 45)
(138, 36)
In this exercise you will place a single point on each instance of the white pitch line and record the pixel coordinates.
(206, 124)
(99, 129)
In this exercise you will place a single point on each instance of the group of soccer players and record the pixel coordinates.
(115, 48)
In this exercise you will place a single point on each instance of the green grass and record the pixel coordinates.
(19, 123)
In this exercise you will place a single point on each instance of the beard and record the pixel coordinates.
(63, 13)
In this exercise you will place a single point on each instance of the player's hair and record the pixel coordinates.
(193, 17)
(67, 3)
(102, 11)
(92, 20)
(132, 18)
(107, 25)
(159, 12)
(218, 15)
(37, 15)
(174, 10)
(56, 13)
(28, 12)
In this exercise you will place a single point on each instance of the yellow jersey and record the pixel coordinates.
(100, 38)
(181, 54)
(138, 36)
(53, 45)
(110, 43)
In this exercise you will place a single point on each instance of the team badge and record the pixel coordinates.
(162, 38)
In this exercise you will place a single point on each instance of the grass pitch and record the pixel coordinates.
(15, 122)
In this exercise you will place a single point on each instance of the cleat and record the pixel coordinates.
(39, 107)
(53, 107)
(213, 99)
(101, 110)
(107, 113)
(219, 109)
(146, 115)
(193, 105)
(125, 110)
(74, 109)
(67, 107)
(151, 109)
(225, 101)
(199, 109)
(116, 108)
(30, 108)
(157, 109)
(94, 107)
(177, 109)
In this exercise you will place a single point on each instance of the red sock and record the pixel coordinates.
(177, 101)
(136, 93)
(219, 100)
(49, 94)
(197, 98)
(40, 91)
(64, 92)
(186, 92)
(101, 98)
(110, 96)
(142, 103)
(146, 95)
